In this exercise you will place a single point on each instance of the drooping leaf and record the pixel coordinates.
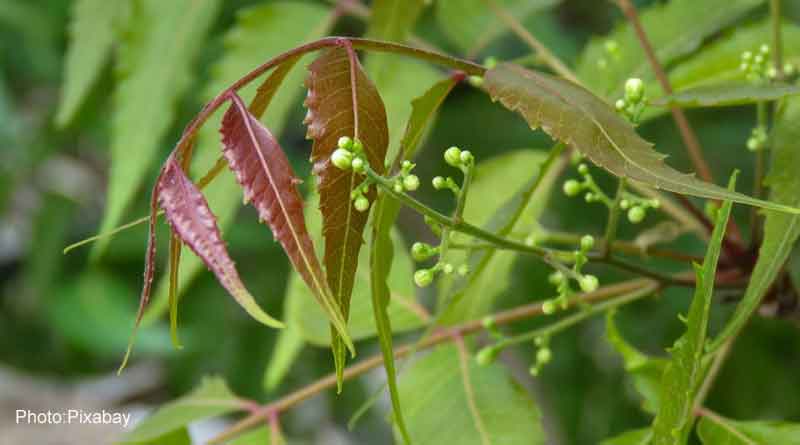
(733, 432)
(260, 32)
(437, 411)
(645, 371)
(264, 172)
(780, 230)
(725, 95)
(92, 35)
(423, 110)
(392, 20)
(212, 398)
(342, 101)
(573, 115)
(685, 369)
(287, 348)
(191, 219)
(515, 181)
(632, 437)
(146, 93)
(471, 24)
(308, 317)
(674, 29)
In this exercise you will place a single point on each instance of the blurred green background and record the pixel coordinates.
(67, 318)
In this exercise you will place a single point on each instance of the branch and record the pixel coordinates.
(441, 336)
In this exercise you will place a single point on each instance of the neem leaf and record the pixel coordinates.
(423, 109)
(725, 95)
(342, 101)
(685, 370)
(147, 93)
(266, 176)
(573, 115)
(191, 219)
(212, 398)
(632, 437)
(780, 230)
(436, 403)
(716, 431)
(92, 36)
(260, 32)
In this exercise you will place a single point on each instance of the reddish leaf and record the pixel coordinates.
(336, 82)
(264, 173)
(191, 219)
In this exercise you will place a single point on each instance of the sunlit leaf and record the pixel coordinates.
(179, 436)
(573, 115)
(685, 369)
(725, 95)
(645, 371)
(269, 184)
(633, 437)
(256, 436)
(436, 403)
(92, 35)
(733, 432)
(674, 29)
(470, 24)
(780, 230)
(392, 20)
(260, 32)
(212, 398)
(147, 93)
(342, 101)
(188, 214)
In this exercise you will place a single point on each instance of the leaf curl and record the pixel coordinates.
(266, 177)
(575, 116)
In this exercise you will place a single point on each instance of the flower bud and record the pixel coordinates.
(358, 165)
(636, 214)
(487, 355)
(624, 204)
(342, 158)
(411, 183)
(556, 278)
(620, 104)
(345, 142)
(488, 322)
(466, 157)
(439, 183)
(543, 356)
(572, 187)
(587, 242)
(634, 90)
(548, 307)
(447, 268)
(583, 169)
(361, 204)
(421, 251)
(398, 186)
(589, 283)
(453, 156)
(423, 277)
(475, 81)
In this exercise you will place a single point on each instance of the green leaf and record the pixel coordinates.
(342, 101)
(287, 348)
(380, 265)
(573, 115)
(212, 398)
(423, 112)
(726, 95)
(255, 436)
(632, 437)
(645, 371)
(674, 29)
(721, 431)
(310, 321)
(471, 24)
(148, 91)
(437, 403)
(780, 230)
(515, 181)
(92, 35)
(685, 369)
(176, 437)
(260, 32)
(392, 20)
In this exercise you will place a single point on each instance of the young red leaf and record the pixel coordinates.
(191, 219)
(264, 173)
(342, 101)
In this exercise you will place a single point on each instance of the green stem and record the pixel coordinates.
(758, 174)
(613, 220)
(578, 317)
(777, 38)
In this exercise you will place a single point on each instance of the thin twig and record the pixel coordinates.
(441, 336)
(777, 38)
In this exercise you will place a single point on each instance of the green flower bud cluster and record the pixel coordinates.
(358, 196)
(634, 102)
(543, 355)
(349, 154)
(637, 207)
(573, 187)
(405, 181)
(561, 278)
(758, 139)
(759, 68)
(423, 251)
(611, 48)
(424, 277)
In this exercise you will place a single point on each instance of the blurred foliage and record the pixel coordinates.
(69, 316)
